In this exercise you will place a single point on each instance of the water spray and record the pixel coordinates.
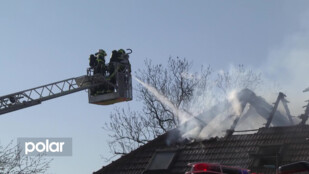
(182, 115)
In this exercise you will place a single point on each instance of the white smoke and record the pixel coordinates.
(233, 99)
(289, 65)
(228, 108)
(286, 70)
(218, 121)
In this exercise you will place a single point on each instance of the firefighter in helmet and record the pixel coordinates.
(121, 53)
(101, 68)
(119, 62)
(124, 60)
(112, 68)
(92, 61)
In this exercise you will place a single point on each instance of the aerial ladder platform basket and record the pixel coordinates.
(112, 93)
(103, 89)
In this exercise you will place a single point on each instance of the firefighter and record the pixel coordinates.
(114, 56)
(93, 62)
(124, 59)
(112, 68)
(121, 54)
(101, 68)
(119, 62)
(124, 66)
(116, 61)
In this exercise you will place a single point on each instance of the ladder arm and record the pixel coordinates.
(35, 96)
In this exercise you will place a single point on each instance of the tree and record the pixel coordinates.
(13, 161)
(170, 95)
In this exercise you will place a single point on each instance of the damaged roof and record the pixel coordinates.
(260, 152)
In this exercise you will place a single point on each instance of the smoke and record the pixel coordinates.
(233, 99)
(217, 108)
(215, 120)
(214, 110)
(223, 119)
(288, 64)
(214, 107)
(285, 69)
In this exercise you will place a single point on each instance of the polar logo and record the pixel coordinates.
(41, 147)
(46, 146)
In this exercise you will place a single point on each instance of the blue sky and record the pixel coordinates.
(46, 41)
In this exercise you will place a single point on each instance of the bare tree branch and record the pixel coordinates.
(13, 161)
(130, 129)
(185, 90)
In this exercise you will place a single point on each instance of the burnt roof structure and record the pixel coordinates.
(260, 152)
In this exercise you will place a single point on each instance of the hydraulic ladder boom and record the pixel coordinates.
(34, 96)
(104, 88)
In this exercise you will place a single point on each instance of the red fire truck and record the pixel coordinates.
(208, 168)
(301, 167)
